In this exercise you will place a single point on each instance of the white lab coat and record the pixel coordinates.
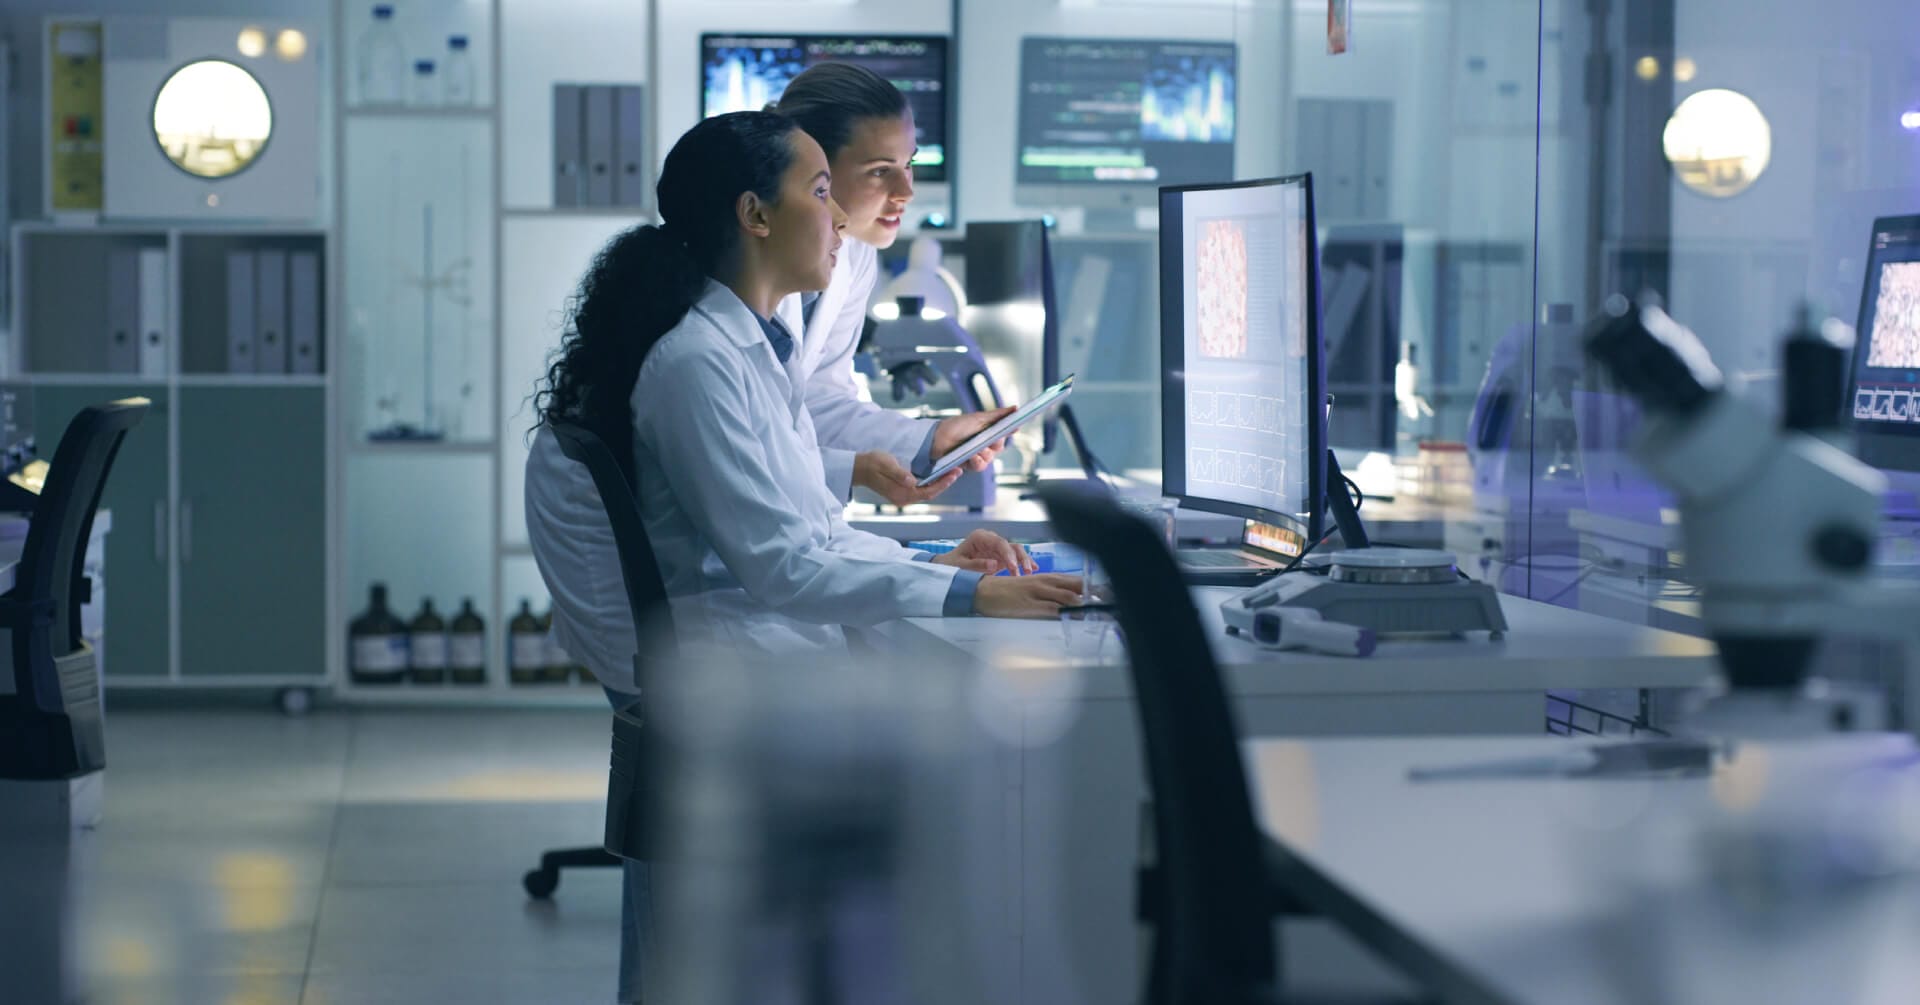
(847, 421)
(574, 548)
(753, 547)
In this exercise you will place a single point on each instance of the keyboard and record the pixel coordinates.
(1213, 558)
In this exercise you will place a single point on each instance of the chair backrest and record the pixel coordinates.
(50, 567)
(646, 588)
(1218, 915)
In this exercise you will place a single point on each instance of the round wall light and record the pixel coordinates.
(1718, 142)
(1910, 121)
(252, 42)
(290, 44)
(212, 118)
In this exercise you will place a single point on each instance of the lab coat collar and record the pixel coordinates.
(736, 321)
(740, 326)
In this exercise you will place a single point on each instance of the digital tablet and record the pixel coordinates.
(1000, 430)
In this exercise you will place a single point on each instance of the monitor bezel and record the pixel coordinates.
(1055, 193)
(1173, 473)
(1880, 444)
(947, 95)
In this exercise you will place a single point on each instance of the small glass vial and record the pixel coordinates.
(379, 65)
(456, 77)
(425, 92)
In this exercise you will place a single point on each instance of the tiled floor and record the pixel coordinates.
(348, 857)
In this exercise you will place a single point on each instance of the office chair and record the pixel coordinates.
(50, 726)
(646, 595)
(1213, 938)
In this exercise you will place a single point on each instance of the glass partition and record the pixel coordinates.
(1734, 160)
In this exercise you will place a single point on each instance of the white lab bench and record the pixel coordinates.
(1411, 523)
(1575, 891)
(1075, 792)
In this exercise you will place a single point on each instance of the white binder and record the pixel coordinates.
(123, 310)
(303, 312)
(270, 311)
(240, 312)
(154, 312)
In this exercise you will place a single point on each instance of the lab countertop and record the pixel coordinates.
(1546, 648)
(1574, 891)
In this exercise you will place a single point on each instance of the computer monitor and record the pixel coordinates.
(1104, 122)
(1011, 310)
(1242, 378)
(745, 72)
(1886, 356)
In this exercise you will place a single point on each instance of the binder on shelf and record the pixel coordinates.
(153, 312)
(123, 310)
(597, 117)
(303, 312)
(270, 311)
(569, 147)
(629, 139)
(240, 312)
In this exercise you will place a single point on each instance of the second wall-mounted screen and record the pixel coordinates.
(1125, 112)
(744, 72)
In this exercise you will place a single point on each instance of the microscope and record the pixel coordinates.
(1778, 522)
(919, 349)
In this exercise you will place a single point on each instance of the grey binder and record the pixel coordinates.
(270, 312)
(303, 312)
(239, 312)
(598, 122)
(123, 310)
(569, 147)
(629, 144)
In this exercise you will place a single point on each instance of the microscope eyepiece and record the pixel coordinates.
(1652, 356)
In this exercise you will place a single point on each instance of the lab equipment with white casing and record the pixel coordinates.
(1381, 591)
(1778, 521)
(919, 345)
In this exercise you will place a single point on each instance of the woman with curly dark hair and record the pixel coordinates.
(674, 357)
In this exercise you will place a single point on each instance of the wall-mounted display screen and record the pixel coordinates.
(744, 72)
(1125, 112)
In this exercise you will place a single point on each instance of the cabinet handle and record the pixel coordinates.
(186, 530)
(160, 531)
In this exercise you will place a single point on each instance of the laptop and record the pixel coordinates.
(1264, 550)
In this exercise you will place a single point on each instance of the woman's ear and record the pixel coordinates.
(751, 214)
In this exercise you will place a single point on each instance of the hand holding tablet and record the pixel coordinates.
(999, 430)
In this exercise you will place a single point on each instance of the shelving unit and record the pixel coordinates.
(442, 518)
(220, 556)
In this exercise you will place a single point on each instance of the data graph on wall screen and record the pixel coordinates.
(1125, 111)
(741, 72)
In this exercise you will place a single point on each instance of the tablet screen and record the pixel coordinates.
(1000, 430)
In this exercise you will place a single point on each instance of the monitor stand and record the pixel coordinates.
(1110, 221)
(1346, 515)
(1089, 464)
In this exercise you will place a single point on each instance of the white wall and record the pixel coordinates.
(22, 22)
(544, 42)
(1832, 80)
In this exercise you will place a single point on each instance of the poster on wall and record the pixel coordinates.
(1339, 22)
(73, 117)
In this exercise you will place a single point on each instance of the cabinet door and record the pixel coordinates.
(253, 539)
(139, 612)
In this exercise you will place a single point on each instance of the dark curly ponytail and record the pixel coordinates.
(646, 279)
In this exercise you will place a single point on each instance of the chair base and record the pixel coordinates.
(540, 883)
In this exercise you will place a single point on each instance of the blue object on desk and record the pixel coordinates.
(1047, 555)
